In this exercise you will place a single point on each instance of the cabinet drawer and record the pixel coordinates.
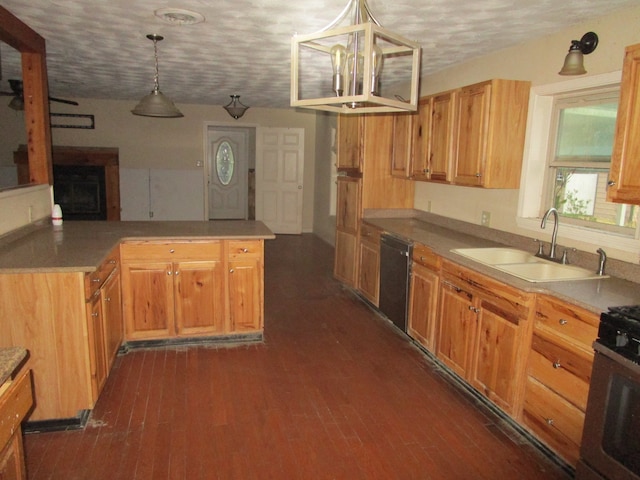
(572, 323)
(553, 419)
(93, 281)
(563, 369)
(425, 257)
(511, 302)
(369, 234)
(170, 251)
(245, 248)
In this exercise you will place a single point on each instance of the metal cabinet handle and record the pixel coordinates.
(231, 270)
(96, 280)
(171, 250)
(478, 174)
(549, 421)
(557, 364)
(94, 314)
(611, 183)
(177, 273)
(245, 250)
(108, 299)
(169, 272)
(474, 309)
(563, 321)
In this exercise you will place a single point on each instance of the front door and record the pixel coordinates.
(228, 169)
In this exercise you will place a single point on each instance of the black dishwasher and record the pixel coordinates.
(395, 260)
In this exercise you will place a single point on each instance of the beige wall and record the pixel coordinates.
(146, 142)
(537, 61)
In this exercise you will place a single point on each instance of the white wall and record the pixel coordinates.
(324, 221)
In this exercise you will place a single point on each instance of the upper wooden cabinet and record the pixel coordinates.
(472, 135)
(489, 133)
(402, 150)
(624, 175)
(434, 138)
(349, 142)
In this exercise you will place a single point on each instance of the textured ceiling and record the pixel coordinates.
(98, 49)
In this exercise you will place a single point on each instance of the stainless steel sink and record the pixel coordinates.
(526, 266)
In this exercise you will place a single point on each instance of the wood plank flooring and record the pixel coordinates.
(334, 392)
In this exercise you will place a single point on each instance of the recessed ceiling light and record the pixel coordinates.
(178, 16)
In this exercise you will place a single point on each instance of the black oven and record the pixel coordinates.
(611, 437)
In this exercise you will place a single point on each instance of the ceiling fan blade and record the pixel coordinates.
(60, 100)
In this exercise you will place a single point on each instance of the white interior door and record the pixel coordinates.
(279, 175)
(228, 168)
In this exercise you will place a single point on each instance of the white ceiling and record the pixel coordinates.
(98, 49)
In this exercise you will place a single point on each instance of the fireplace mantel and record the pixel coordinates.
(106, 157)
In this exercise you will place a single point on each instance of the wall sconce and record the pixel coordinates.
(573, 62)
(235, 108)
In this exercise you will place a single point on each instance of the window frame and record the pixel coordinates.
(532, 194)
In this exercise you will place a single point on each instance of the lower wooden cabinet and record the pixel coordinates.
(423, 296)
(369, 263)
(483, 334)
(16, 399)
(186, 289)
(559, 374)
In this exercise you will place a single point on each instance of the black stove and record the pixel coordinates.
(620, 331)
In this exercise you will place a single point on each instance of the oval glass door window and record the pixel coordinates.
(225, 163)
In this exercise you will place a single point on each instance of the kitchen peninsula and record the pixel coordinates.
(77, 294)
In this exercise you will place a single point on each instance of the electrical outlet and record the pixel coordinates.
(485, 219)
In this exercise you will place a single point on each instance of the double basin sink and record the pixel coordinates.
(525, 265)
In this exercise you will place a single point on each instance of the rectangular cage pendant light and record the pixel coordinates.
(360, 68)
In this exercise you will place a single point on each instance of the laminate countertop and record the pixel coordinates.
(10, 359)
(594, 295)
(80, 246)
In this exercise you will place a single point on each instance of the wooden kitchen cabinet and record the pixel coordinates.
(419, 167)
(172, 289)
(434, 138)
(370, 187)
(559, 374)
(246, 297)
(489, 133)
(66, 340)
(423, 300)
(403, 142)
(624, 174)
(483, 334)
(349, 142)
(369, 263)
(347, 221)
(16, 399)
(111, 303)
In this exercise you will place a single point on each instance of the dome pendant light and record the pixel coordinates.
(235, 107)
(156, 104)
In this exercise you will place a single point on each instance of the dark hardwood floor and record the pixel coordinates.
(334, 392)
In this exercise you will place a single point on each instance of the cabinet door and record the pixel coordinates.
(369, 274)
(97, 353)
(111, 298)
(148, 300)
(457, 328)
(199, 298)
(472, 117)
(402, 144)
(348, 204)
(423, 305)
(349, 141)
(441, 137)
(245, 295)
(344, 268)
(12, 459)
(625, 161)
(497, 357)
(422, 131)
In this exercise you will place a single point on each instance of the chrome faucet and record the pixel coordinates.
(602, 261)
(554, 236)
